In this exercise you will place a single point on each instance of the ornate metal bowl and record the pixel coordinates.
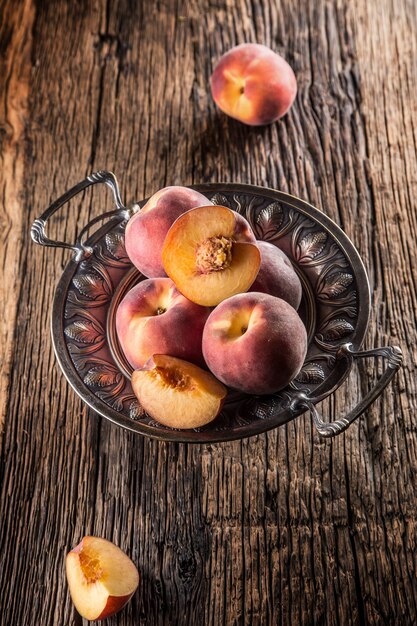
(335, 309)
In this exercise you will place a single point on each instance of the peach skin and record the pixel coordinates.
(253, 84)
(277, 276)
(155, 318)
(255, 343)
(146, 230)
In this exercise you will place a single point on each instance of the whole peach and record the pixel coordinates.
(155, 318)
(147, 229)
(254, 342)
(277, 276)
(253, 84)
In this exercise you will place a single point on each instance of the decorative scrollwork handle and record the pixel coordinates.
(81, 250)
(394, 358)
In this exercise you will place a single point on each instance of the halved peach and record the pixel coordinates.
(101, 578)
(210, 253)
(177, 393)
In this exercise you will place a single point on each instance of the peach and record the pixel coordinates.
(277, 276)
(155, 318)
(101, 578)
(210, 253)
(253, 84)
(176, 393)
(146, 230)
(255, 343)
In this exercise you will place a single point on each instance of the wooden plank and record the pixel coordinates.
(386, 536)
(15, 49)
(281, 528)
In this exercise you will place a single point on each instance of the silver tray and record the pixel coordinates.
(335, 309)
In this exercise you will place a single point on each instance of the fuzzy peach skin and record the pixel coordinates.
(101, 578)
(146, 230)
(277, 276)
(155, 318)
(255, 343)
(253, 84)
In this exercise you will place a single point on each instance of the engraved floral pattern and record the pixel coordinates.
(310, 246)
(334, 284)
(268, 221)
(311, 373)
(85, 331)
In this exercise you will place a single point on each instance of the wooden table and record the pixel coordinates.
(282, 528)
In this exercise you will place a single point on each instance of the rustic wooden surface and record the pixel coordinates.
(283, 528)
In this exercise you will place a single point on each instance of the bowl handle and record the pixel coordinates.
(394, 358)
(81, 250)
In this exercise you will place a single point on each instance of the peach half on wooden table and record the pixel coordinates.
(155, 318)
(211, 253)
(253, 84)
(101, 578)
(255, 343)
(146, 229)
(176, 393)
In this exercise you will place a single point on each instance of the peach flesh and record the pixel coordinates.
(211, 254)
(101, 578)
(146, 230)
(255, 343)
(253, 84)
(277, 276)
(176, 393)
(154, 317)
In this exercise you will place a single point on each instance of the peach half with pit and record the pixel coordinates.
(255, 343)
(155, 318)
(146, 230)
(211, 253)
(253, 84)
(101, 578)
(176, 393)
(277, 275)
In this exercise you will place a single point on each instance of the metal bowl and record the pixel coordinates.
(335, 309)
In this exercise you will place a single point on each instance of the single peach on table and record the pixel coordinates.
(211, 253)
(277, 276)
(155, 318)
(101, 578)
(176, 393)
(253, 84)
(255, 343)
(146, 230)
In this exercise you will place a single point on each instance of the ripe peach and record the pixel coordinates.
(176, 393)
(210, 253)
(154, 317)
(277, 276)
(253, 84)
(254, 342)
(101, 578)
(146, 230)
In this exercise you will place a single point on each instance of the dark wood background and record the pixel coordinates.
(282, 528)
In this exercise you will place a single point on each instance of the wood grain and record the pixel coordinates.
(282, 528)
(15, 47)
